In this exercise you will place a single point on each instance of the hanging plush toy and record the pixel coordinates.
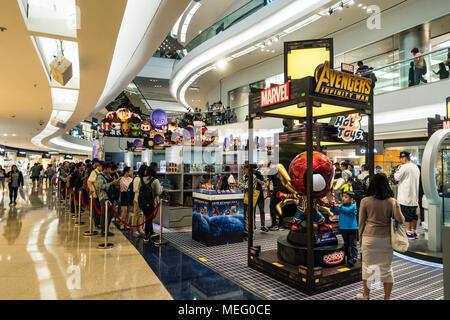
(106, 127)
(116, 125)
(145, 129)
(135, 126)
(110, 115)
(159, 123)
(125, 129)
(123, 114)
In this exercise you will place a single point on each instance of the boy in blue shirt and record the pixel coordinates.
(348, 226)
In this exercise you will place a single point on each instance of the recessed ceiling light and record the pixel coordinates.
(365, 7)
(13, 134)
(221, 64)
(5, 134)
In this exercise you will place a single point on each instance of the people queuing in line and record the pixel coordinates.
(126, 200)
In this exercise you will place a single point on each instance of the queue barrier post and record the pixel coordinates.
(106, 244)
(90, 232)
(74, 215)
(69, 199)
(160, 242)
(79, 222)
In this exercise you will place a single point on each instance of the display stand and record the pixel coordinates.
(218, 218)
(304, 104)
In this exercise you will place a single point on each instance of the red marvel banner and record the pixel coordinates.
(275, 95)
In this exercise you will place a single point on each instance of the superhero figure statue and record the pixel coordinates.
(323, 184)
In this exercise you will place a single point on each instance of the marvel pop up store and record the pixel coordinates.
(310, 258)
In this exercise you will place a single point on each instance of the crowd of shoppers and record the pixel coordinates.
(102, 181)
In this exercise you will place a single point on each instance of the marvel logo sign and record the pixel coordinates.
(275, 95)
(446, 124)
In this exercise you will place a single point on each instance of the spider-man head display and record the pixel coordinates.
(322, 174)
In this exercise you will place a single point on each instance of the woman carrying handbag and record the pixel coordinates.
(375, 236)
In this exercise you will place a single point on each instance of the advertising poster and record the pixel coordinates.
(218, 222)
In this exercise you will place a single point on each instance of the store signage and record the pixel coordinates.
(349, 68)
(2, 151)
(46, 156)
(275, 95)
(340, 84)
(68, 157)
(349, 127)
(446, 124)
(21, 153)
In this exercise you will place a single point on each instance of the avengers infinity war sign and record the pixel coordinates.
(349, 127)
(341, 84)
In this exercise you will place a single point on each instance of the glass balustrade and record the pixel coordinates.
(399, 75)
(223, 24)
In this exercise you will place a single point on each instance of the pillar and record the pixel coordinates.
(129, 159)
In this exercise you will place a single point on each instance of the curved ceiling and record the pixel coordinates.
(200, 67)
(109, 58)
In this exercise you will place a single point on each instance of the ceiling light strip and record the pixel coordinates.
(288, 12)
(187, 21)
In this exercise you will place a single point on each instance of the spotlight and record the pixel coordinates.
(330, 12)
(341, 6)
(277, 38)
(351, 2)
(221, 64)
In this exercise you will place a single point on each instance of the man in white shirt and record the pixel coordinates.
(408, 176)
(345, 172)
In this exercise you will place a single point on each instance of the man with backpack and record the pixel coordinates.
(148, 199)
(137, 212)
(103, 186)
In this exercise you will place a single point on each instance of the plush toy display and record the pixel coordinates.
(125, 129)
(145, 129)
(123, 114)
(116, 126)
(106, 126)
(135, 126)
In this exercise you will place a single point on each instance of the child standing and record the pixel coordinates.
(348, 227)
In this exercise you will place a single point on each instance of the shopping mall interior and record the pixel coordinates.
(137, 135)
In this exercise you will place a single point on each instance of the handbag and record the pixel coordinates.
(399, 239)
(255, 197)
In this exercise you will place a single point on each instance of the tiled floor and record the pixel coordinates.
(43, 256)
(412, 281)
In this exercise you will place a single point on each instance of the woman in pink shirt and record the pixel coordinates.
(125, 202)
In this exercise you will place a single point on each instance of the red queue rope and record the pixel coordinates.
(96, 209)
(151, 216)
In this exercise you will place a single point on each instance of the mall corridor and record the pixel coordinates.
(44, 256)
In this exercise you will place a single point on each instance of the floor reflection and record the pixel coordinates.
(186, 278)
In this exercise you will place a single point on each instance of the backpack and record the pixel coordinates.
(130, 192)
(146, 199)
(360, 188)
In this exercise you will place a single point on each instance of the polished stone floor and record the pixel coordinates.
(44, 256)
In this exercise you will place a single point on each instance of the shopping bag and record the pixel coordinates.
(399, 239)
(255, 197)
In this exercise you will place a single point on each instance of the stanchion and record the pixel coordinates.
(106, 245)
(68, 198)
(74, 215)
(79, 222)
(160, 242)
(90, 232)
